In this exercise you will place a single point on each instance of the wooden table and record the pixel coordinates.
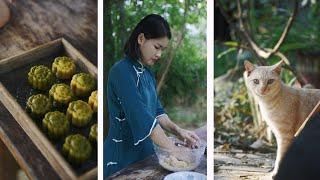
(35, 22)
(149, 168)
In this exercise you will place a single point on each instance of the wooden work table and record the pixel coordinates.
(32, 23)
(149, 168)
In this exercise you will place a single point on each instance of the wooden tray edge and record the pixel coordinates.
(54, 158)
(4, 63)
(36, 136)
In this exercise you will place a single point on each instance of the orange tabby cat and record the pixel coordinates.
(283, 107)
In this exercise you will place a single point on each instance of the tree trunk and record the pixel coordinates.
(169, 62)
(108, 30)
(108, 54)
(174, 48)
(121, 22)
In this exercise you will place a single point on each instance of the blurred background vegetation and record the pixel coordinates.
(182, 69)
(265, 21)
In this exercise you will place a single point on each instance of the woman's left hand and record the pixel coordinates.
(189, 138)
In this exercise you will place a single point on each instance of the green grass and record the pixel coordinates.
(190, 117)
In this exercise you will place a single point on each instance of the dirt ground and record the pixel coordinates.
(238, 164)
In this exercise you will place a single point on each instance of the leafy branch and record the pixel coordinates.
(263, 53)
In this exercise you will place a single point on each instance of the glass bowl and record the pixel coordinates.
(184, 159)
(183, 175)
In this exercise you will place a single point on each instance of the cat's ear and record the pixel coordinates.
(248, 66)
(277, 67)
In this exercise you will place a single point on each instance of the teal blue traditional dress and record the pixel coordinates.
(133, 107)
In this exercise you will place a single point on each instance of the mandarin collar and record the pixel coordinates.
(137, 64)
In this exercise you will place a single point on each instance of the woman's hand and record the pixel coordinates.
(182, 153)
(189, 138)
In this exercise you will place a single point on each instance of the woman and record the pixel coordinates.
(136, 116)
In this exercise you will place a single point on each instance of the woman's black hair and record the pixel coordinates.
(152, 26)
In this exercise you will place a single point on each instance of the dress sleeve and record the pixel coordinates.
(160, 110)
(137, 114)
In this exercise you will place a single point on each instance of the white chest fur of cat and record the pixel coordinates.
(284, 108)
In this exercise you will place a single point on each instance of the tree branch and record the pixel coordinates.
(287, 28)
(299, 76)
(228, 18)
(240, 34)
(174, 49)
(259, 51)
(267, 52)
(263, 52)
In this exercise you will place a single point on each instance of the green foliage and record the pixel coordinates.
(133, 11)
(186, 79)
(190, 117)
(233, 120)
(187, 75)
(223, 63)
(266, 20)
(287, 76)
(233, 104)
(304, 32)
(226, 52)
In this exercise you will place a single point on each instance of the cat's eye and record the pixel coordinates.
(256, 81)
(270, 81)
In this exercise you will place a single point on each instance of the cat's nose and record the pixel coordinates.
(263, 90)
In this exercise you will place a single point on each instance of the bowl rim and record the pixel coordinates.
(185, 172)
(202, 146)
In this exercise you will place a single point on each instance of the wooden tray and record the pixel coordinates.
(14, 91)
